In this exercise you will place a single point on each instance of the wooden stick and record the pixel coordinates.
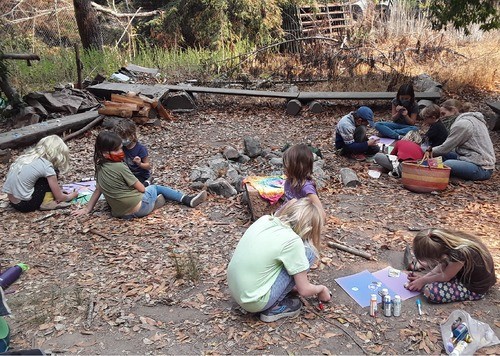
(79, 66)
(350, 250)
(94, 231)
(82, 130)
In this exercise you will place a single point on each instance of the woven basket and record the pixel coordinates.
(424, 179)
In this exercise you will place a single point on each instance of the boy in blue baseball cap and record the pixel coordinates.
(350, 134)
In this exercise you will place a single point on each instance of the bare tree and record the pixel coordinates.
(88, 24)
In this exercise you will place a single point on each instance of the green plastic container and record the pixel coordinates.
(4, 335)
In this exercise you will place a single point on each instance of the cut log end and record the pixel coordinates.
(349, 178)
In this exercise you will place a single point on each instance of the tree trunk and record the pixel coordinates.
(9, 91)
(88, 25)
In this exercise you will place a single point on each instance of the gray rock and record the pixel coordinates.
(231, 153)
(320, 177)
(202, 174)
(232, 175)
(221, 187)
(243, 159)
(219, 166)
(277, 161)
(252, 146)
(197, 186)
(319, 163)
(265, 152)
(424, 82)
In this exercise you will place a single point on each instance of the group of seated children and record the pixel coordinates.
(460, 136)
(122, 171)
(268, 271)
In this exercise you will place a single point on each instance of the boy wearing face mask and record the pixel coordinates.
(136, 154)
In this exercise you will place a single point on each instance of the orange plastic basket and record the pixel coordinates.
(423, 179)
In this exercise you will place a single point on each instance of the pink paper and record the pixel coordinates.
(395, 284)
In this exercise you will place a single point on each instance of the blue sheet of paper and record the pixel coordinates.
(361, 285)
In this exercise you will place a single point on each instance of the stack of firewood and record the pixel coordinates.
(141, 109)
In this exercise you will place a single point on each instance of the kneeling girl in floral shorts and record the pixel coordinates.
(463, 266)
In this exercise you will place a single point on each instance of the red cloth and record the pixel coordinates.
(407, 150)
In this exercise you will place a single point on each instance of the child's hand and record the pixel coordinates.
(137, 160)
(416, 285)
(72, 196)
(80, 212)
(325, 295)
(373, 142)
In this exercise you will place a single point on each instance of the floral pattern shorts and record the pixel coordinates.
(452, 291)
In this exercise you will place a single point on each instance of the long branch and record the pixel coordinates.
(119, 14)
(20, 56)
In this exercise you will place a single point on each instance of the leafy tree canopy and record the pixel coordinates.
(462, 13)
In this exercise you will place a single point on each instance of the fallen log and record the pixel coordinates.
(349, 177)
(350, 250)
(28, 135)
(84, 129)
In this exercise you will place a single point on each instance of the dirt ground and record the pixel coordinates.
(157, 285)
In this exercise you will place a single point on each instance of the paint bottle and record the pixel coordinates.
(459, 333)
(383, 293)
(459, 349)
(396, 306)
(383, 148)
(12, 274)
(373, 305)
(387, 305)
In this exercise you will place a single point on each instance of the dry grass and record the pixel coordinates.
(380, 55)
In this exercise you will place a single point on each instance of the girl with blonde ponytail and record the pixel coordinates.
(463, 266)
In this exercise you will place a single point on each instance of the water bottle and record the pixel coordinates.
(12, 274)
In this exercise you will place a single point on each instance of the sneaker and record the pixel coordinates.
(194, 200)
(159, 202)
(53, 205)
(357, 156)
(394, 174)
(287, 307)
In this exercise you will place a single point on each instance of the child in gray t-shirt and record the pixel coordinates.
(33, 177)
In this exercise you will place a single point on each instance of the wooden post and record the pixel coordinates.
(79, 66)
(293, 107)
(315, 107)
(349, 177)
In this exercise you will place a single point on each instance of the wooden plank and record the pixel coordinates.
(362, 95)
(159, 90)
(31, 134)
(494, 105)
(105, 89)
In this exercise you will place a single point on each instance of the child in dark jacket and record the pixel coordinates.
(437, 132)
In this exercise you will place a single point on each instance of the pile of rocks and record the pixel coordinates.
(223, 173)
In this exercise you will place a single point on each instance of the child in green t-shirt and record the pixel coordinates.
(125, 194)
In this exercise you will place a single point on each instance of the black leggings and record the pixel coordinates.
(41, 187)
